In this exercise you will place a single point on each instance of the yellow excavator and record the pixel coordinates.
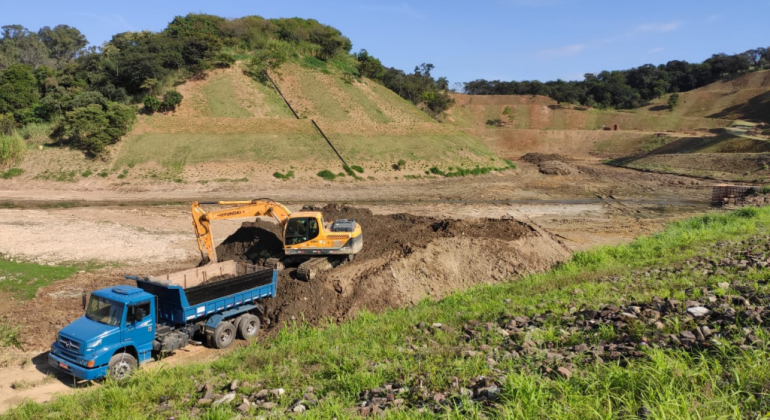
(308, 241)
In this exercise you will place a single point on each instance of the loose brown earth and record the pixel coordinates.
(405, 258)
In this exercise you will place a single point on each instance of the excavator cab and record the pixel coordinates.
(301, 229)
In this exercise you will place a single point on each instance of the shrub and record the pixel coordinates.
(12, 149)
(286, 176)
(171, 100)
(7, 124)
(224, 60)
(92, 128)
(327, 175)
(357, 168)
(151, 104)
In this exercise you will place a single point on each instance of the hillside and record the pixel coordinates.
(230, 126)
(704, 123)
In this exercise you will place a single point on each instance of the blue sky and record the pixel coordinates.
(489, 39)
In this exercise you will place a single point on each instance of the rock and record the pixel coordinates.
(626, 315)
(299, 409)
(697, 311)
(436, 325)
(691, 303)
(278, 392)
(659, 326)
(705, 330)
(564, 372)
(228, 398)
(234, 385)
(244, 408)
(634, 310)
(262, 394)
(205, 401)
(269, 405)
(438, 397)
(724, 285)
(489, 393)
(580, 348)
(687, 335)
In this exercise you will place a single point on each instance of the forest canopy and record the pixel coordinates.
(625, 89)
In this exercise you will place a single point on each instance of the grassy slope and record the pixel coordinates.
(231, 118)
(373, 350)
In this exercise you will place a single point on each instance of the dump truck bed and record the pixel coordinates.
(188, 295)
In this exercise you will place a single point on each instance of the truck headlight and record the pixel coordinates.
(94, 344)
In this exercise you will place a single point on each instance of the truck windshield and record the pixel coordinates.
(300, 230)
(104, 311)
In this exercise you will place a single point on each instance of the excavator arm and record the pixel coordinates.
(242, 209)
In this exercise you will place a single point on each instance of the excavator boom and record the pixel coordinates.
(242, 209)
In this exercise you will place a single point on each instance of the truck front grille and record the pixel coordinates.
(69, 345)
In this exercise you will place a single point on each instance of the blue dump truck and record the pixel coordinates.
(125, 326)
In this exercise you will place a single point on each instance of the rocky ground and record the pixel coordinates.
(726, 312)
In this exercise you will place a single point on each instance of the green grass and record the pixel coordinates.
(23, 279)
(9, 336)
(175, 151)
(328, 175)
(287, 176)
(222, 100)
(11, 173)
(372, 350)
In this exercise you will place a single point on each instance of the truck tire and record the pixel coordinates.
(121, 366)
(248, 328)
(224, 335)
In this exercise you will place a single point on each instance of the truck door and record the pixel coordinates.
(140, 328)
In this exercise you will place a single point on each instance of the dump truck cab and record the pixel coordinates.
(117, 330)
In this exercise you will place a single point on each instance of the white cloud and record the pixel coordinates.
(659, 27)
(400, 9)
(565, 51)
(656, 50)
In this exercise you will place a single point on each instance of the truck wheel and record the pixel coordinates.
(121, 366)
(249, 327)
(224, 334)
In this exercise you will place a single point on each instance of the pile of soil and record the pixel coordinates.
(538, 158)
(405, 258)
(555, 167)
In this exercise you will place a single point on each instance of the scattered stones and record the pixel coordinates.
(697, 311)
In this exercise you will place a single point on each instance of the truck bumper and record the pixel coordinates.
(76, 370)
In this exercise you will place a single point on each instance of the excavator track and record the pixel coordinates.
(309, 269)
(275, 264)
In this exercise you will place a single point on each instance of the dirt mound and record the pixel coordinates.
(405, 259)
(538, 158)
(555, 167)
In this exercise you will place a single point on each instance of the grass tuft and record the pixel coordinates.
(327, 175)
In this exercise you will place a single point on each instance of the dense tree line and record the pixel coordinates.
(625, 89)
(419, 87)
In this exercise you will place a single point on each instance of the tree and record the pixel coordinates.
(63, 42)
(93, 127)
(18, 88)
(20, 46)
(673, 100)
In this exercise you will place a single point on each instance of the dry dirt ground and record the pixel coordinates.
(418, 234)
